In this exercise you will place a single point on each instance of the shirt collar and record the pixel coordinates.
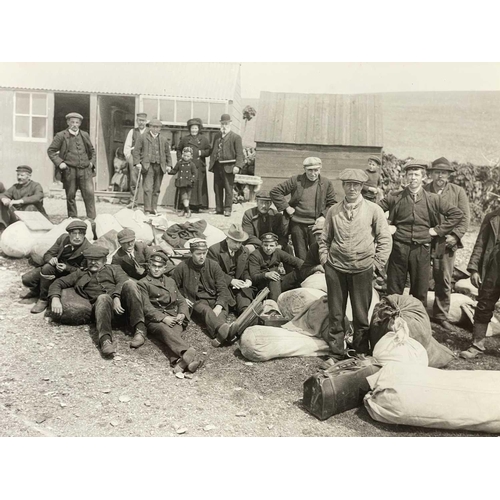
(74, 133)
(153, 135)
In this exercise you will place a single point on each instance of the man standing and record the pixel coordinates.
(354, 243)
(73, 155)
(414, 218)
(25, 195)
(226, 160)
(128, 148)
(312, 264)
(311, 197)
(445, 247)
(152, 154)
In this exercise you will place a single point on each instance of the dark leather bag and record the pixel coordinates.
(338, 388)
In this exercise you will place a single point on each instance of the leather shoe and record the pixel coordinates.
(30, 294)
(138, 339)
(184, 361)
(227, 213)
(40, 306)
(107, 347)
(225, 334)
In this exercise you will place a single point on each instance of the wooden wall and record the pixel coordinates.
(235, 108)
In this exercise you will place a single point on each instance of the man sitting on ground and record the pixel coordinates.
(62, 258)
(104, 286)
(167, 313)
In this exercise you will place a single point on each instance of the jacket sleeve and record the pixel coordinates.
(151, 314)
(54, 148)
(279, 192)
(175, 168)
(223, 295)
(213, 256)
(59, 284)
(452, 217)
(204, 147)
(476, 258)
(290, 260)
(330, 197)
(247, 226)
(194, 171)
(256, 275)
(127, 147)
(54, 249)
(326, 238)
(120, 277)
(35, 197)
(384, 204)
(463, 204)
(182, 307)
(246, 274)
(238, 146)
(8, 194)
(137, 153)
(383, 238)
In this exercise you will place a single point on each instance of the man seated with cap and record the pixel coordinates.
(203, 283)
(65, 256)
(25, 195)
(108, 288)
(133, 255)
(311, 196)
(416, 216)
(312, 264)
(262, 219)
(371, 186)
(128, 148)
(167, 314)
(232, 257)
(266, 267)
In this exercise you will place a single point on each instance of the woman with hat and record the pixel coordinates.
(201, 149)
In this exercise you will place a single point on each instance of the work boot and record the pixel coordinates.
(107, 346)
(225, 334)
(188, 212)
(478, 338)
(185, 360)
(40, 306)
(227, 213)
(139, 338)
(30, 294)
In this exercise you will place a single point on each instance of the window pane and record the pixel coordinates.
(183, 111)
(39, 127)
(167, 110)
(22, 126)
(200, 110)
(39, 104)
(216, 110)
(22, 103)
(150, 106)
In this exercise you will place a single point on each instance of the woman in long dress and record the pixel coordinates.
(201, 149)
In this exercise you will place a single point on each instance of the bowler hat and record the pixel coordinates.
(76, 224)
(269, 237)
(95, 252)
(194, 121)
(318, 225)
(414, 164)
(353, 175)
(225, 118)
(24, 168)
(125, 235)
(159, 256)
(263, 195)
(376, 159)
(198, 244)
(236, 233)
(142, 115)
(155, 123)
(312, 162)
(441, 164)
(74, 115)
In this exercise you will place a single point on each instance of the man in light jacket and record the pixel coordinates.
(355, 242)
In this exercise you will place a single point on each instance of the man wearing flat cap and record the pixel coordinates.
(444, 247)
(128, 148)
(73, 156)
(232, 257)
(416, 217)
(167, 314)
(109, 290)
(262, 219)
(65, 256)
(226, 160)
(311, 197)
(152, 155)
(354, 244)
(25, 195)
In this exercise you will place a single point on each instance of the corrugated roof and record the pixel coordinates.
(328, 119)
(195, 80)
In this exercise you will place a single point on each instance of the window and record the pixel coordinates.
(30, 116)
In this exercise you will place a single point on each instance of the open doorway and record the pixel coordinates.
(71, 103)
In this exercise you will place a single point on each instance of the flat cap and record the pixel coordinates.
(312, 162)
(353, 175)
(155, 123)
(159, 256)
(76, 224)
(441, 164)
(142, 115)
(413, 164)
(270, 237)
(125, 235)
(376, 159)
(318, 225)
(263, 195)
(198, 244)
(24, 168)
(95, 252)
(74, 115)
(225, 118)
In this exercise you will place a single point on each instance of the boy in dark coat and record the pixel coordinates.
(371, 186)
(62, 258)
(186, 171)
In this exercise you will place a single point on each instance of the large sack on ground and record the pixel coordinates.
(438, 399)
(262, 343)
(17, 240)
(105, 223)
(76, 309)
(109, 241)
(457, 302)
(466, 287)
(293, 302)
(316, 281)
(135, 220)
(398, 346)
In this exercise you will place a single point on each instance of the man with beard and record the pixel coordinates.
(128, 148)
(105, 287)
(25, 195)
(65, 256)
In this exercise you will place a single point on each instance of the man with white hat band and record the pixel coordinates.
(73, 155)
(311, 197)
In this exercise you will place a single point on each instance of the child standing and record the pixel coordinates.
(186, 171)
(370, 188)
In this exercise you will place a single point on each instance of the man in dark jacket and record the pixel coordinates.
(311, 197)
(312, 264)
(444, 248)
(484, 266)
(203, 283)
(73, 156)
(25, 195)
(167, 314)
(152, 155)
(128, 148)
(226, 160)
(104, 286)
(414, 217)
(232, 257)
(65, 256)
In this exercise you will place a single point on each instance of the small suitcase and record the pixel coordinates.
(338, 388)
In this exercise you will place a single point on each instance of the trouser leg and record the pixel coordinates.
(290, 280)
(489, 293)
(171, 336)
(48, 273)
(299, 233)
(337, 287)
(86, 184)
(419, 266)
(103, 311)
(131, 300)
(274, 289)
(228, 188)
(218, 171)
(31, 279)
(360, 291)
(158, 177)
(204, 313)
(442, 271)
(244, 298)
(133, 174)
(147, 185)
(397, 268)
(70, 185)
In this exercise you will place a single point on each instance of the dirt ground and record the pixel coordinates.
(54, 382)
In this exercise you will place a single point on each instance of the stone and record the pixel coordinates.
(124, 399)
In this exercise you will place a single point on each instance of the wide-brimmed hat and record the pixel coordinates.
(194, 121)
(441, 164)
(236, 233)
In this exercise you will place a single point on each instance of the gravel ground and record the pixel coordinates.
(54, 382)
